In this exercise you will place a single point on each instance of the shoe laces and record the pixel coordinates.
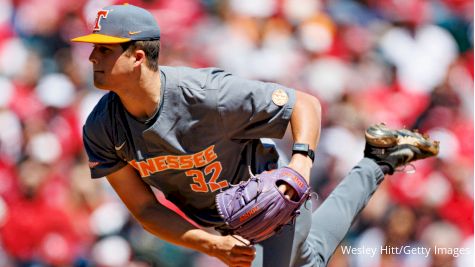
(403, 168)
(407, 139)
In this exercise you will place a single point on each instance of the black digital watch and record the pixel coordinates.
(303, 149)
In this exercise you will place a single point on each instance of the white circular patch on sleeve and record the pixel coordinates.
(280, 97)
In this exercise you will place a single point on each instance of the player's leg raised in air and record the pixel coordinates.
(386, 151)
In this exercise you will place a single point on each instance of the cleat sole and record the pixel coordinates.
(380, 135)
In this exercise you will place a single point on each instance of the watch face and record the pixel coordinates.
(303, 149)
(300, 147)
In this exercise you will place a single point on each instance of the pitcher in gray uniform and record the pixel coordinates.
(194, 132)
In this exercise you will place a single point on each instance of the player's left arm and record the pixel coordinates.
(305, 123)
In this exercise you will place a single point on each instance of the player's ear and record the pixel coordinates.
(140, 58)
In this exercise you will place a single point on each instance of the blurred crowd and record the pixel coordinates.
(408, 63)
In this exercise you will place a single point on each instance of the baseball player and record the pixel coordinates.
(197, 135)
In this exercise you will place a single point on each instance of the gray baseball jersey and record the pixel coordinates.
(203, 138)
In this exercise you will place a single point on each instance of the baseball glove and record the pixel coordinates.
(255, 209)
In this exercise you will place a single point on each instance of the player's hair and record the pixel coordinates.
(151, 49)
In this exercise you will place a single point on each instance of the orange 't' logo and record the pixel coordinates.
(100, 14)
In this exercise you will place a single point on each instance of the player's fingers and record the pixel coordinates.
(244, 250)
(241, 260)
(241, 264)
(242, 256)
(242, 240)
(236, 262)
(287, 190)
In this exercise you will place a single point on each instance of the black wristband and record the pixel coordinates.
(303, 149)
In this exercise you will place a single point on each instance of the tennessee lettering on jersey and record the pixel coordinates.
(189, 163)
(173, 162)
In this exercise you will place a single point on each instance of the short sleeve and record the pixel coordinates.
(97, 138)
(254, 109)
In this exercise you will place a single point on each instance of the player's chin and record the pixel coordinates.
(100, 85)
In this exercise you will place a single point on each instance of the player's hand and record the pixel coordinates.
(301, 164)
(233, 252)
(287, 190)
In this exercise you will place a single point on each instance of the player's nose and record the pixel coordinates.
(92, 58)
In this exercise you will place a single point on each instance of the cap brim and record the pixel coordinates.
(100, 39)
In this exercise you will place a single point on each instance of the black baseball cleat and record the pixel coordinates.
(396, 148)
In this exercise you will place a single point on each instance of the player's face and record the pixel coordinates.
(111, 66)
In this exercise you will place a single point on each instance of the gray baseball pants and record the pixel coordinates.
(315, 236)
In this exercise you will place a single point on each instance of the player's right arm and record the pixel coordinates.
(101, 138)
(168, 225)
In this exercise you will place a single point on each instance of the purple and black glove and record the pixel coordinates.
(256, 209)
